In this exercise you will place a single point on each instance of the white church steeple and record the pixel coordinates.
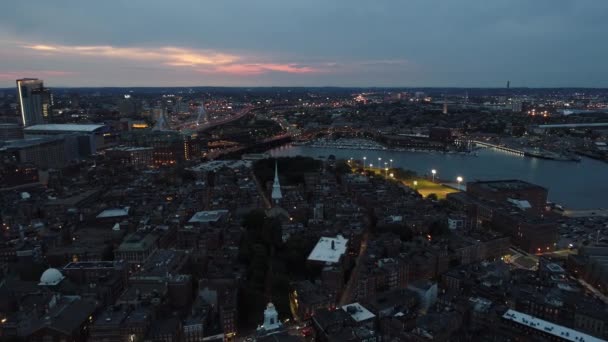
(276, 186)
(271, 325)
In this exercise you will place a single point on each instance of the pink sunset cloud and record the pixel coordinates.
(205, 61)
(260, 68)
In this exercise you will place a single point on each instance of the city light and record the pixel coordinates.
(433, 172)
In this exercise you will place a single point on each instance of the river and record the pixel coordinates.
(574, 185)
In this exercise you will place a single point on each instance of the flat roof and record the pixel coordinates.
(358, 312)
(507, 184)
(324, 252)
(29, 142)
(208, 216)
(91, 265)
(129, 148)
(589, 124)
(137, 242)
(65, 127)
(115, 212)
(548, 327)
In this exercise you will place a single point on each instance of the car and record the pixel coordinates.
(306, 331)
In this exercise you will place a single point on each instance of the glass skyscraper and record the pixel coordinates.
(33, 101)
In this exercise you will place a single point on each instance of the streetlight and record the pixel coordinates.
(415, 184)
(364, 158)
(379, 160)
(459, 180)
(433, 171)
(391, 163)
(371, 165)
(386, 171)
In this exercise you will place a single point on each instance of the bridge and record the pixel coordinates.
(494, 146)
(242, 149)
(193, 125)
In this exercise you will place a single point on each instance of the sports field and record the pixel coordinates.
(423, 185)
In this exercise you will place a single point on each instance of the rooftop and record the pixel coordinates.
(548, 327)
(329, 249)
(85, 128)
(129, 148)
(208, 216)
(114, 212)
(137, 242)
(30, 142)
(507, 185)
(358, 312)
(91, 264)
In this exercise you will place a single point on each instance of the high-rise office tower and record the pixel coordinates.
(47, 104)
(31, 96)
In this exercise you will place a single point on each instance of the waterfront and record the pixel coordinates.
(574, 185)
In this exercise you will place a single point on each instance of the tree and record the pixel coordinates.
(438, 228)
(342, 167)
(254, 220)
(403, 174)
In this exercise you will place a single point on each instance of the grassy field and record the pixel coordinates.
(424, 186)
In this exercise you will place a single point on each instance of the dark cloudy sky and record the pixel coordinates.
(466, 43)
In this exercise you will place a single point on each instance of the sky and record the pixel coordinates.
(384, 43)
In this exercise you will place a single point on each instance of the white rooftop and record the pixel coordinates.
(548, 327)
(521, 204)
(324, 252)
(208, 216)
(115, 212)
(358, 312)
(65, 127)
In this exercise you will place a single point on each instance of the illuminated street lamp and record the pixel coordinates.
(364, 158)
(433, 171)
(386, 171)
(391, 163)
(459, 180)
(392, 175)
(415, 184)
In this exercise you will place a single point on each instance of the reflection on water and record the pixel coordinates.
(575, 185)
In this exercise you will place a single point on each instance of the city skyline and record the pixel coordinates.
(349, 44)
